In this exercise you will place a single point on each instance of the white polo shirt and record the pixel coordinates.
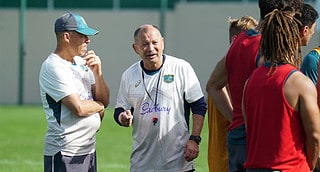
(160, 130)
(66, 132)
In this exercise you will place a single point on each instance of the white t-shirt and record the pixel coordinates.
(160, 131)
(66, 132)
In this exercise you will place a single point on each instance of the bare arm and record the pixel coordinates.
(197, 124)
(192, 149)
(214, 87)
(100, 91)
(318, 100)
(301, 93)
(82, 107)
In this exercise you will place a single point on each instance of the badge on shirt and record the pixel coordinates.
(168, 78)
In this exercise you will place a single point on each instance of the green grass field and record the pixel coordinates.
(22, 131)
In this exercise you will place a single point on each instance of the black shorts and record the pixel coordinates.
(61, 163)
(261, 170)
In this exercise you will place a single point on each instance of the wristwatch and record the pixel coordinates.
(196, 139)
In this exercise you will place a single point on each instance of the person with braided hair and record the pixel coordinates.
(279, 103)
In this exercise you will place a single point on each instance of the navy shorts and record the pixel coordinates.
(61, 163)
(237, 149)
(262, 170)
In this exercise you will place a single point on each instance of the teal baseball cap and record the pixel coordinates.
(72, 21)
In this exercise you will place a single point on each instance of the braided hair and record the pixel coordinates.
(280, 41)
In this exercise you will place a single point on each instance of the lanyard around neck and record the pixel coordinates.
(157, 89)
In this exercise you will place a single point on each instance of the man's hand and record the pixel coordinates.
(93, 62)
(191, 150)
(125, 118)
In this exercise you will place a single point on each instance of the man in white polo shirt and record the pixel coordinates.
(155, 97)
(74, 95)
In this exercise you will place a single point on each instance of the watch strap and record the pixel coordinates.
(196, 139)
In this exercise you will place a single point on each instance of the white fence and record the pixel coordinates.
(197, 32)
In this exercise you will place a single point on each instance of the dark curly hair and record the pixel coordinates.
(308, 16)
(266, 6)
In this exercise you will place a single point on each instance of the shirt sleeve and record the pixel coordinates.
(310, 66)
(56, 81)
(122, 101)
(199, 106)
(192, 88)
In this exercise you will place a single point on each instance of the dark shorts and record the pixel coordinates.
(237, 149)
(237, 156)
(61, 163)
(261, 170)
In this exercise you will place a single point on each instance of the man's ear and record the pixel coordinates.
(134, 47)
(66, 36)
(305, 30)
(162, 43)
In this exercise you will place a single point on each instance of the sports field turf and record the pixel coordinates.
(22, 131)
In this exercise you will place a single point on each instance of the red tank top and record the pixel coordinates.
(275, 135)
(240, 62)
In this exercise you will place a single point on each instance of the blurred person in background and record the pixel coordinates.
(217, 123)
(310, 62)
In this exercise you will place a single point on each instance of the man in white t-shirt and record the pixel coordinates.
(74, 95)
(155, 97)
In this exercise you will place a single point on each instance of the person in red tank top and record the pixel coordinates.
(279, 103)
(217, 123)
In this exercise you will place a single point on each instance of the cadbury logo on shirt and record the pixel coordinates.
(147, 108)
